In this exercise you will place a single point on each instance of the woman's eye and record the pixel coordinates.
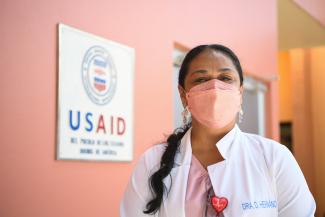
(199, 80)
(225, 79)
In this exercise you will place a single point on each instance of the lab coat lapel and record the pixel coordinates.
(221, 174)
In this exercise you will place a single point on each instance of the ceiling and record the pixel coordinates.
(296, 28)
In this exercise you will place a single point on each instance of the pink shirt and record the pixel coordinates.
(198, 185)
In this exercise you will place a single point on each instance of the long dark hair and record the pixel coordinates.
(156, 184)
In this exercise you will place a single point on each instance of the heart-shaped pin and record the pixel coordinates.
(219, 203)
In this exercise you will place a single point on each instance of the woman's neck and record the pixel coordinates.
(203, 139)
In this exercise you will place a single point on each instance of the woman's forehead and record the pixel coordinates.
(210, 58)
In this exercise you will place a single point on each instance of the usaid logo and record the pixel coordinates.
(99, 75)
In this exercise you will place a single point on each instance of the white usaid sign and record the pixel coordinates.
(95, 103)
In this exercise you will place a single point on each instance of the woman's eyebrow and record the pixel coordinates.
(204, 71)
(226, 69)
(200, 71)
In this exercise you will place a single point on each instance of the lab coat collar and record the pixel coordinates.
(224, 146)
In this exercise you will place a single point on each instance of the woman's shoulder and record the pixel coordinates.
(272, 151)
(262, 143)
(150, 158)
(154, 152)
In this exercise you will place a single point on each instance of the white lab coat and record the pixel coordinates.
(259, 177)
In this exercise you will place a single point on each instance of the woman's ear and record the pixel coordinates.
(182, 94)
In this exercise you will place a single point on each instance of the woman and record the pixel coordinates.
(210, 167)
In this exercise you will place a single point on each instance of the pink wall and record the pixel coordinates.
(33, 183)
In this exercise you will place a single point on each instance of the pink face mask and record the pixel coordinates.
(214, 103)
